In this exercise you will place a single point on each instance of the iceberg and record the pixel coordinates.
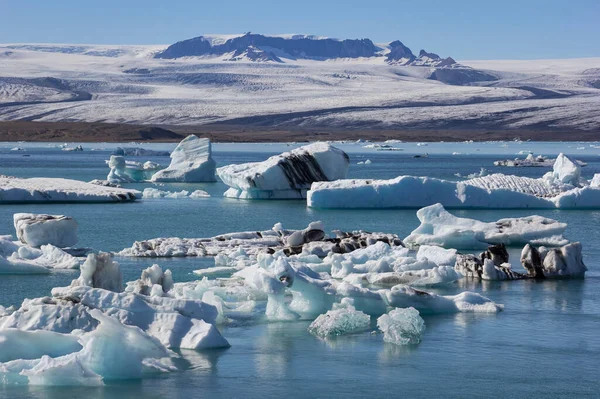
(17, 258)
(439, 227)
(539, 263)
(123, 171)
(111, 351)
(45, 189)
(402, 326)
(561, 188)
(40, 229)
(532, 161)
(285, 176)
(191, 162)
(403, 296)
(343, 319)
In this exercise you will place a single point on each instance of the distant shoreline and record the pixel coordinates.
(15, 131)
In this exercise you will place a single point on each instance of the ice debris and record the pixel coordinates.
(402, 326)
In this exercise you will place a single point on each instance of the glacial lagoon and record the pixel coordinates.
(544, 343)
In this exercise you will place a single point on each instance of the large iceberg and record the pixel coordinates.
(40, 229)
(561, 188)
(439, 227)
(191, 162)
(45, 189)
(285, 176)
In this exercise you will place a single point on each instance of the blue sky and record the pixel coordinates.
(463, 29)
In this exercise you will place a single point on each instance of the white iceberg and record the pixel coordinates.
(45, 189)
(403, 296)
(40, 229)
(402, 326)
(561, 188)
(285, 176)
(439, 227)
(111, 351)
(191, 162)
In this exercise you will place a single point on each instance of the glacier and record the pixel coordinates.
(191, 162)
(285, 176)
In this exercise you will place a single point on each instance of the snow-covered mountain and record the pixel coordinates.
(265, 48)
(284, 86)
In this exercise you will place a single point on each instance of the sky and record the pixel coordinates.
(463, 29)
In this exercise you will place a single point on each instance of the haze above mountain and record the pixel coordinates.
(293, 81)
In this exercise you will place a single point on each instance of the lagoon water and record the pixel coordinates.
(545, 344)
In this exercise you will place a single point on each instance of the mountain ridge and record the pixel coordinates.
(272, 48)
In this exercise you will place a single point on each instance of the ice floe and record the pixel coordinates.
(285, 176)
(441, 228)
(191, 162)
(532, 161)
(45, 189)
(561, 188)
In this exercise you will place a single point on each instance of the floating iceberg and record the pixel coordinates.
(43, 189)
(17, 258)
(191, 162)
(285, 176)
(343, 319)
(311, 240)
(402, 326)
(539, 263)
(561, 188)
(439, 227)
(122, 171)
(155, 193)
(403, 296)
(40, 229)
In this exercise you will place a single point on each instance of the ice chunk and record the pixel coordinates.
(402, 326)
(152, 277)
(17, 344)
(564, 171)
(343, 319)
(402, 296)
(417, 278)
(40, 229)
(117, 172)
(439, 256)
(439, 227)
(155, 193)
(191, 162)
(44, 189)
(100, 271)
(287, 175)
(566, 261)
(14, 265)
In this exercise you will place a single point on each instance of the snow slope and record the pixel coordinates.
(48, 82)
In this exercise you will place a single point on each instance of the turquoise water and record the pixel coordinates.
(545, 343)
